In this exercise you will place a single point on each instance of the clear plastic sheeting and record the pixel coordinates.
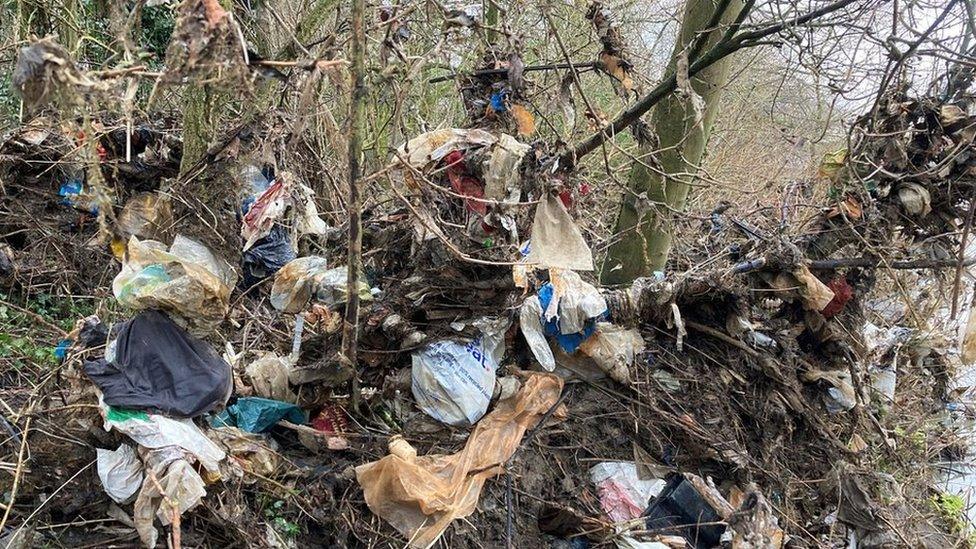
(186, 280)
(421, 496)
(306, 278)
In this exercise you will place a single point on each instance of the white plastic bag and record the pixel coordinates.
(120, 472)
(453, 381)
(623, 495)
(155, 431)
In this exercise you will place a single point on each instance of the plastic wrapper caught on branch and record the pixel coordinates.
(45, 71)
(556, 240)
(421, 496)
(270, 207)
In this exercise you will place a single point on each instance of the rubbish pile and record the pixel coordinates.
(501, 393)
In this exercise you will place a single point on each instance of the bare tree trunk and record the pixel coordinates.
(202, 108)
(645, 237)
(350, 330)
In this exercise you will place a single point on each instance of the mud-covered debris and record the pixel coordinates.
(46, 72)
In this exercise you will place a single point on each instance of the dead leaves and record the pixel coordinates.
(619, 69)
(523, 119)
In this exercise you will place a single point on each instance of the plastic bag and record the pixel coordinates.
(252, 453)
(182, 490)
(307, 277)
(434, 146)
(269, 208)
(257, 415)
(269, 377)
(155, 431)
(147, 215)
(267, 256)
(556, 240)
(623, 495)
(614, 349)
(567, 309)
(120, 472)
(187, 280)
(576, 304)
(421, 496)
(157, 366)
(530, 321)
(452, 381)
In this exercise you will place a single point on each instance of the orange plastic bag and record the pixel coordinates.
(420, 496)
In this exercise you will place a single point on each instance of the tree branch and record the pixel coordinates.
(729, 44)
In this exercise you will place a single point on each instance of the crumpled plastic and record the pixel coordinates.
(120, 472)
(614, 349)
(501, 169)
(270, 207)
(166, 447)
(251, 452)
(435, 145)
(557, 242)
(840, 395)
(257, 415)
(623, 494)
(307, 277)
(530, 321)
(146, 215)
(186, 280)
(267, 256)
(269, 377)
(567, 309)
(155, 431)
(453, 381)
(571, 305)
(815, 294)
(182, 490)
(421, 496)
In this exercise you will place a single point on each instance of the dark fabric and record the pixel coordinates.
(160, 367)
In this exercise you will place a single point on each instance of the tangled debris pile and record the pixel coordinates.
(736, 404)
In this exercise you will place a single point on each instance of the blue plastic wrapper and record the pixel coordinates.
(61, 350)
(569, 342)
(257, 415)
(498, 102)
(71, 194)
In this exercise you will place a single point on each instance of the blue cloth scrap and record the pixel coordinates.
(257, 415)
(569, 342)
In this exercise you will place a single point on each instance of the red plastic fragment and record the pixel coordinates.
(465, 184)
(843, 292)
(331, 420)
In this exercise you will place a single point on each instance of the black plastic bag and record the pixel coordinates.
(266, 256)
(159, 367)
